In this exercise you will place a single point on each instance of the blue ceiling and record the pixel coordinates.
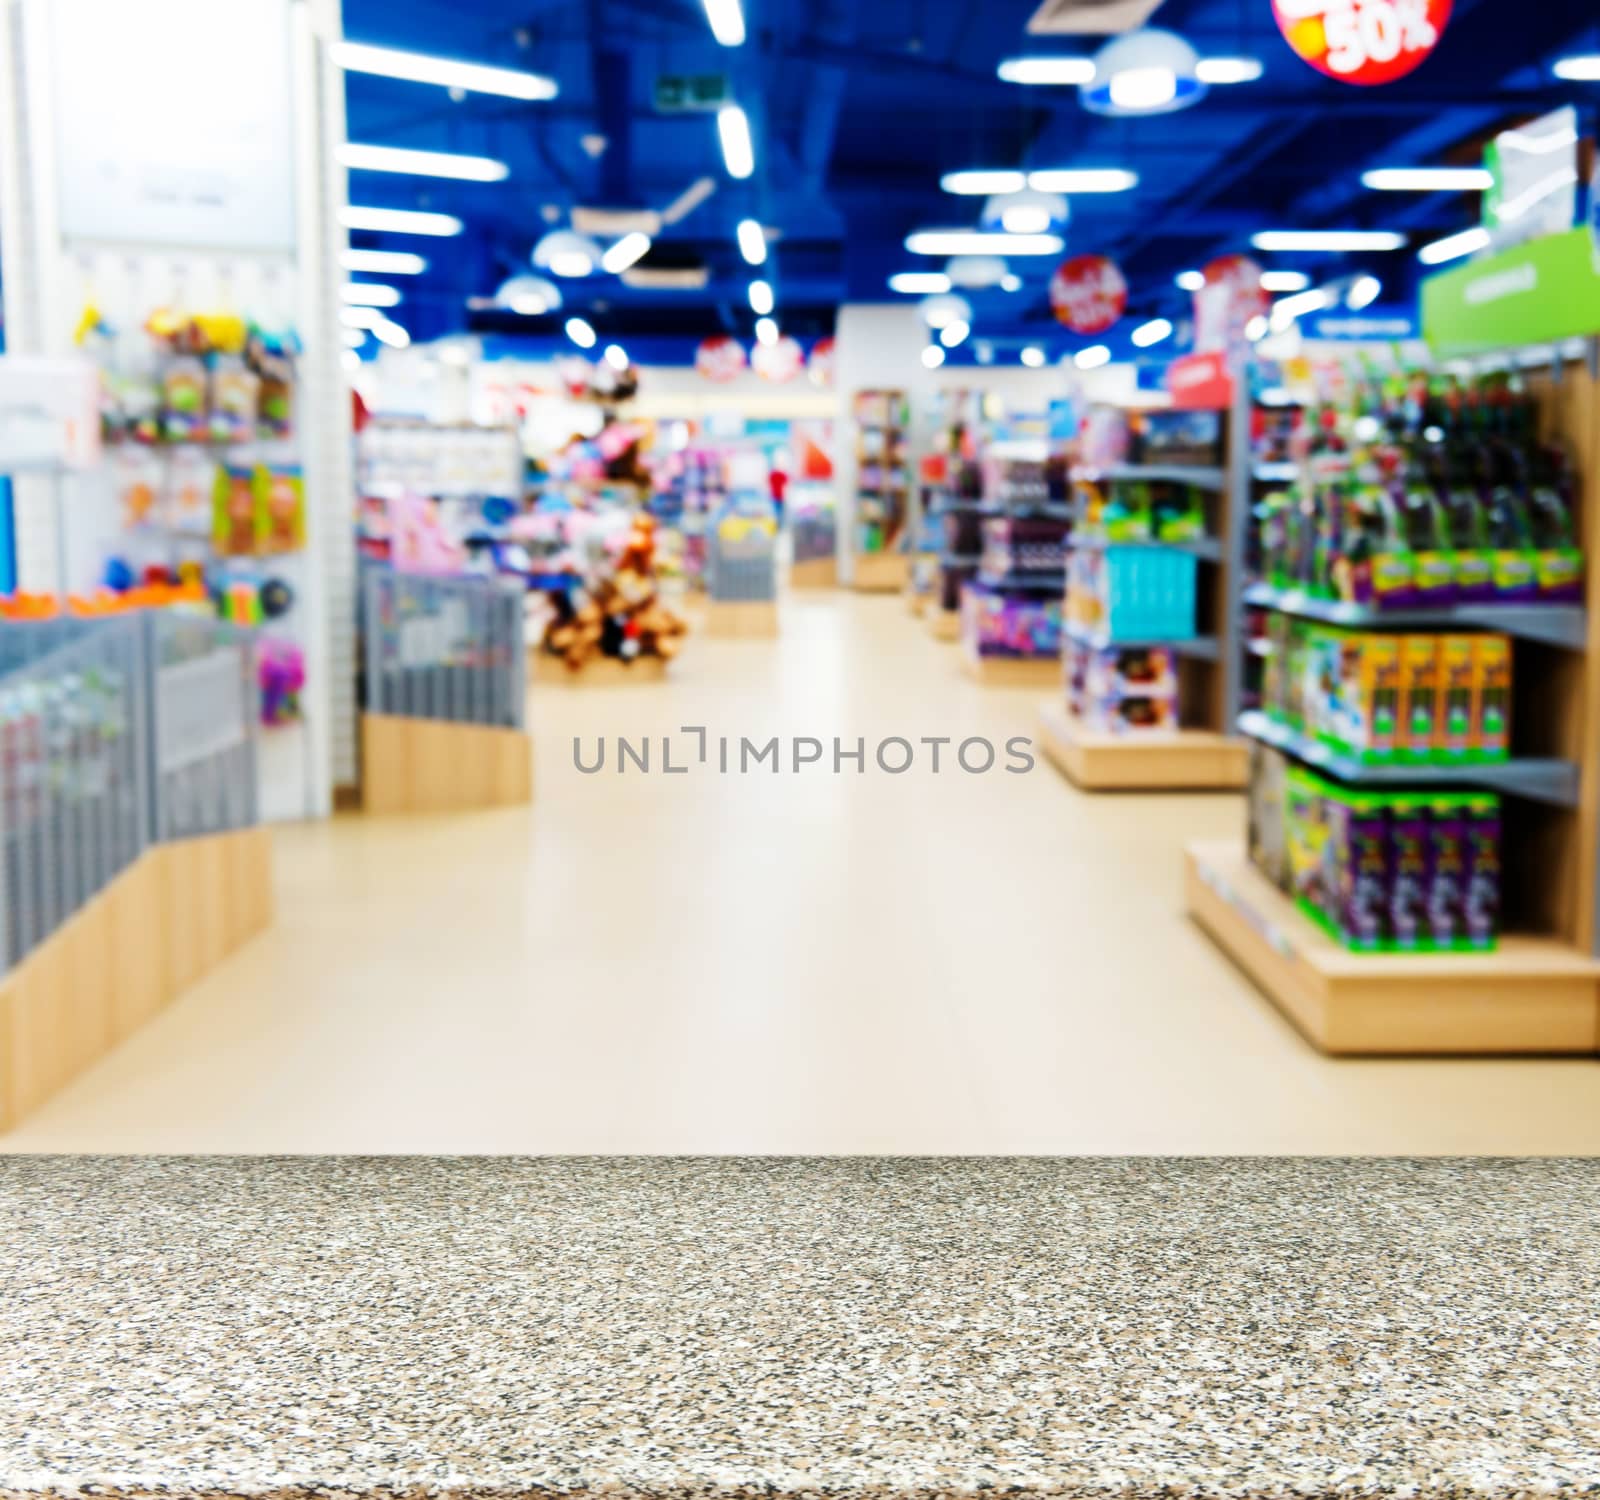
(857, 110)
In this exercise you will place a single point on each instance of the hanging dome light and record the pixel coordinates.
(1026, 212)
(532, 296)
(973, 273)
(1148, 72)
(943, 309)
(564, 252)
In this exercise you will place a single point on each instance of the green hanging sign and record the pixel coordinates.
(1535, 293)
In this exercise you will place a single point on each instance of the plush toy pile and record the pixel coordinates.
(618, 613)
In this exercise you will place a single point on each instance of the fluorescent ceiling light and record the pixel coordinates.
(1228, 70)
(616, 356)
(626, 252)
(1330, 240)
(752, 242)
(766, 331)
(391, 333)
(981, 242)
(474, 78)
(983, 184)
(384, 262)
(738, 155)
(954, 333)
(1190, 281)
(1033, 357)
(1256, 329)
(1151, 333)
(1285, 312)
(361, 317)
(1093, 357)
(1142, 90)
(1581, 69)
(1047, 69)
(1082, 180)
(580, 333)
(400, 221)
(932, 357)
(919, 283)
(1282, 281)
(1365, 291)
(369, 294)
(1427, 179)
(761, 297)
(1454, 246)
(354, 338)
(350, 360)
(423, 163)
(727, 21)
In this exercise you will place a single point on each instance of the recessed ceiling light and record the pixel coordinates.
(1152, 332)
(1454, 246)
(580, 332)
(422, 163)
(738, 152)
(1256, 329)
(627, 251)
(979, 183)
(1228, 70)
(766, 331)
(752, 242)
(954, 333)
(1082, 180)
(474, 78)
(1365, 291)
(1047, 70)
(1427, 179)
(616, 356)
(1092, 357)
(1011, 282)
(1033, 357)
(391, 333)
(980, 242)
(400, 221)
(1331, 241)
(1190, 281)
(919, 283)
(932, 356)
(761, 297)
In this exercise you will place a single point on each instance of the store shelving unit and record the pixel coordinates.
(1206, 754)
(1539, 991)
(883, 505)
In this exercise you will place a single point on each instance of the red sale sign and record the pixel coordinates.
(779, 361)
(720, 358)
(1088, 293)
(1362, 41)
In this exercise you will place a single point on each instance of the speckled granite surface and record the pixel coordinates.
(854, 1327)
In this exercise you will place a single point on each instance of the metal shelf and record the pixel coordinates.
(1200, 477)
(1539, 780)
(1275, 473)
(1201, 647)
(1563, 625)
(1207, 547)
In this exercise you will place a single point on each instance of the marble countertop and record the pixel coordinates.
(857, 1327)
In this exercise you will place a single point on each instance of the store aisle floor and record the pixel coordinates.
(808, 963)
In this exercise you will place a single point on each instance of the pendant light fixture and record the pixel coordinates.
(1148, 72)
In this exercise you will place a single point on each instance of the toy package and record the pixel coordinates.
(280, 508)
(1269, 771)
(1122, 689)
(1419, 696)
(1000, 623)
(233, 511)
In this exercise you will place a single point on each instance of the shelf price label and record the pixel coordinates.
(1362, 41)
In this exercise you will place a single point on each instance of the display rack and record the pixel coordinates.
(1201, 752)
(883, 491)
(1538, 990)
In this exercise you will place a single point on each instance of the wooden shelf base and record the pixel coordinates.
(1533, 995)
(753, 620)
(598, 671)
(1189, 760)
(163, 924)
(432, 766)
(814, 573)
(944, 624)
(882, 572)
(1012, 671)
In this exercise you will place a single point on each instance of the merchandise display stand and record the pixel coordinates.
(741, 572)
(1199, 752)
(603, 671)
(1538, 990)
(883, 492)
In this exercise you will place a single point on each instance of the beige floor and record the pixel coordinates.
(696, 963)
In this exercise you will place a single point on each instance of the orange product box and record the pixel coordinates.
(1456, 721)
(1491, 661)
(1419, 696)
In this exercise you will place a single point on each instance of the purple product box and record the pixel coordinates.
(1410, 872)
(1447, 861)
(1481, 899)
(1358, 843)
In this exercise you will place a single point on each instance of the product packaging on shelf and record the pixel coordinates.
(1124, 690)
(1000, 623)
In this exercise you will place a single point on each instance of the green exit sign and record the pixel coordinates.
(677, 93)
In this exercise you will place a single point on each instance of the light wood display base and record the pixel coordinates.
(598, 671)
(745, 621)
(1189, 760)
(917, 604)
(814, 573)
(432, 766)
(882, 572)
(161, 925)
(1013, 671)
(1534, 995)
(945, 624)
